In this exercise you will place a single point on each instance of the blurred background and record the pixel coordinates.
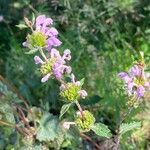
(104, 36)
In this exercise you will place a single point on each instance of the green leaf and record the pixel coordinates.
(125, 127)
(82, 81)
(47, 131)
(101, 130)
(9, 95)
(7, 111)
(33, 18)
(64, 109)
(21, 26)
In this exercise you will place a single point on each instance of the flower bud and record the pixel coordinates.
(85, 121)
(37, 39)
(70, 92)
(47, 67)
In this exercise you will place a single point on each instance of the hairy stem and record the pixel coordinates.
(79, 107)
(42, 53)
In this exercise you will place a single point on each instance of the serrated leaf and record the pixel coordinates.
(9, 95)
(47, 131)
(125, 127)
(64, 109)
(7, 112)
(21, 26)
(101, 130)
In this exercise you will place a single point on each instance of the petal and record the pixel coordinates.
(140, 91)
(135, 71)
(78, 83)
(66, 125)
(46, 77)
(55, 53)
(82, 93)
(55, 41)
(147, 84)
(122, 74)
(73, 78)
(48, 21)
(40, 20)
(25, 44)
(38, 60)
(68, 69)
(57, 73)
(52, 32)
(67, 55)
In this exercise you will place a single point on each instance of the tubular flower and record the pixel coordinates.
(43, 36)
(84, 121)
(135, 81)
(54, 66)
(71, 91)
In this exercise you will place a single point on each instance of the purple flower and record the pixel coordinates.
(44, 35)
(38, 60)
(135, 70)
(122, 74)
(134, 81)
(147, 84)
(46, 77)
(140, 91)
(125, 76)
(55, 65)
(82, 93)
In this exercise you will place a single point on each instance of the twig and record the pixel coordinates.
(23, 117)
(7, 123)
(90, 140)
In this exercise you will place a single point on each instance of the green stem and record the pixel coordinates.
(42, 53)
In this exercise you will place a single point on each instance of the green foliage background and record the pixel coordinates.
(104, 36)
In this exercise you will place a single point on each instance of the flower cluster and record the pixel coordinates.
(52, 64)
(55, 65)
(72, 91)
(43, 36)
(135, 80)
(84, 121)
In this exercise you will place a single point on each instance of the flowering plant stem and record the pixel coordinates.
(90, 140)
(79, 107)
(42, 53)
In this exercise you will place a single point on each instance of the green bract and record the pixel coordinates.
(47, 67)
(37, 39)
(139, 80)
(85, 121)
(70, 92)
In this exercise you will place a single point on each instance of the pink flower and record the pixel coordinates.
(44, 35)
(135, 80)
(55, 65)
